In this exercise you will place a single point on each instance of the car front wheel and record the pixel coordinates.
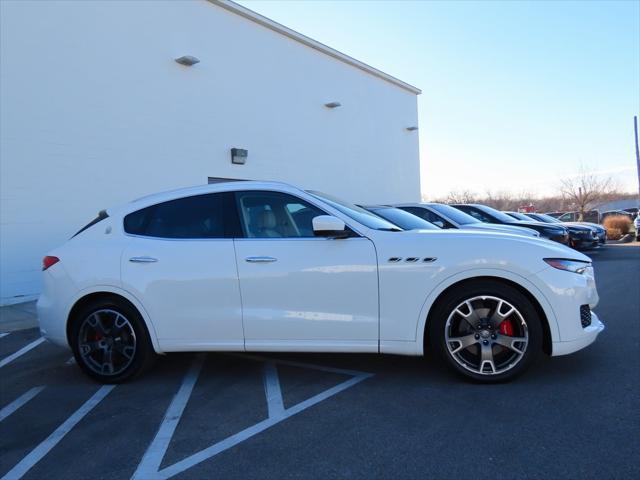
(487, 331)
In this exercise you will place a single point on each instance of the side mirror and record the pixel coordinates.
(328, 226)
(439, 223)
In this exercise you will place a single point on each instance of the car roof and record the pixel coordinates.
(229, 186)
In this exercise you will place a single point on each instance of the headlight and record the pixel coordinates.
(575, 266)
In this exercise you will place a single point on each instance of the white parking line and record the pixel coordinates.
(19, 402)
(275, 404)
(152, 459)
(22, 351)
(149, 467)
(58, 434)
(240, 437)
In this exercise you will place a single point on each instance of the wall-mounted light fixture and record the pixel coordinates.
(411, 129)
(239, 156)
(187, 60)
(333, 104)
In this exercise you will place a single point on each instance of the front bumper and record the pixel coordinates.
(563, 239)
(587, 337)
(567, 292)
(580, 243)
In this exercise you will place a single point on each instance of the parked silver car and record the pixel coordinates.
(445, 216)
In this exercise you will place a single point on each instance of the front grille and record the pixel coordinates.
(585, 316)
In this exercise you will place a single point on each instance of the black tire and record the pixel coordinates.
(130, 362)
(446, 307)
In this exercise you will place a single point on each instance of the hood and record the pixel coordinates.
(490, 227)
(579, 228)
(584, 224)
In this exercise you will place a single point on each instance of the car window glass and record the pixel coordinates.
(422, 213)
(199, 216)
(359, 214)
(454, 214)
(275, 215)
(403, 219)
(478, 215)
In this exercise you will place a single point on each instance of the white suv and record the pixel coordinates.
(256, 266)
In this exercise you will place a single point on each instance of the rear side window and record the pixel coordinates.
(101, 216)
(200, 216)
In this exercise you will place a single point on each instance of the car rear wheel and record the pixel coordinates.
(110, 341)
(487, 331)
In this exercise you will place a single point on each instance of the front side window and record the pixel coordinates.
(275, 215)
(478, 215)
(199, 216)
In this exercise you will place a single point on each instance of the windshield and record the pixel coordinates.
(497, 214)
(359, 214)
(454, 214)
(520, 216)
(404, 220)
(543, 217)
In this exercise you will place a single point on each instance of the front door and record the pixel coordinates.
(301, 292)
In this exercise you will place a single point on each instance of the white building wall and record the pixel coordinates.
(94, 112)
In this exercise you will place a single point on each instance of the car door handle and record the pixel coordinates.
(143, 260)
(260, 259)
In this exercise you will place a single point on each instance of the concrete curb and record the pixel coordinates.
(20, 316)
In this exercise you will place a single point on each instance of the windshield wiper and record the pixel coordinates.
(390, 229)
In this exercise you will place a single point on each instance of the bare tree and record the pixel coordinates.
(461, 196)
(585, 189)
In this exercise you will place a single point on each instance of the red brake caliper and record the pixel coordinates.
(506, 328)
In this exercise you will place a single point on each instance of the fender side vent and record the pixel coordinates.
(412, 259)
(429, 259)
(395, 259)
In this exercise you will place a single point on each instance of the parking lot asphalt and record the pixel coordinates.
(327, 415)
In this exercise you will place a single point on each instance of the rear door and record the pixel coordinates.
(180, 263)
(299, 291)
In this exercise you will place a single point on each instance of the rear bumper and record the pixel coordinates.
(51, 307)
(588, 336)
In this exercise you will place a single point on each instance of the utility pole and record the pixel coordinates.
(635, 128)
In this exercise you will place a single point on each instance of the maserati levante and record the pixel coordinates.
(263, 266)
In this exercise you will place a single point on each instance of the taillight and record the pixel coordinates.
(48, 261)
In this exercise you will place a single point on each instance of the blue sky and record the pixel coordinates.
(515, 94)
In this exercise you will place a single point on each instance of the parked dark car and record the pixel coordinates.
(490, 215)
(398, 217)
(581, 237)
(601, 232)
(633, 211)
(592, 216)
(445, 216)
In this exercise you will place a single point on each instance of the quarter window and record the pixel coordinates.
(275, 215)
(199, 216)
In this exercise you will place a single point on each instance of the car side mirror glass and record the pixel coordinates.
(439, 223)
(329, 226)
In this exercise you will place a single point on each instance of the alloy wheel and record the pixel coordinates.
(486, 335)
(107, 342)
